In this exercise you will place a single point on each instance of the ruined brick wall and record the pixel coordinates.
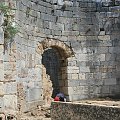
(8, 85)
(1, 65)
(90, 29)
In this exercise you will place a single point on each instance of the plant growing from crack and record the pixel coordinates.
(8, 25)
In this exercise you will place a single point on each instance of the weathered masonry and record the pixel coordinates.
(72, 46)
(84, 111)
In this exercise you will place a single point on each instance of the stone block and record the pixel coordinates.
(1, 66)
(106, 43)
(114, 89)
(46, 24)
(79, 97)
(60, 2)
(102, 33)
(33, 94)
(1, 49)
(89, 76)
(71, 63)
(47, 31)
(1, 37)
(75, 76)
(69, 76)
(110, 81)
(72, 69)
(86, 21)
(104, 75)
(1, 74)
(68, 13)
(81, 38)
(104, 37)
(94, 90)
(1, 56)
(83, 82)
(39, 23)
(57, 26)
(110, 57)
(1, 18)
(102, 50)
(10, 88)
(75, 45)
(82, 57)
(81, 76)
(1, 103)
(84, 69)
(96, 63)
(97, 82)
(45, 16)
(68, 27)
(75, 27)
(38, 84)
(68, 90)
(80, 90)
(93, 38)
(2, 89)
(97, 76)
(105, 89)
(70, 33)
(64, 38)
(57, 32)
(81, 63)
(103, 69)
(72, 83)
(10, 102)
(116, 49)
(23, 72)
(83, 51)
(101, 57)
(42, 8)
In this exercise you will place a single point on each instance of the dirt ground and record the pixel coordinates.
(101, 102)
(41, 113)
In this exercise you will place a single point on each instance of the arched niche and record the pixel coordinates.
(54, 67)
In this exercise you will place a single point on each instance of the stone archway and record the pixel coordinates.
(54, 67)
(66, 51)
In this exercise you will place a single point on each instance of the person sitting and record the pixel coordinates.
(59, 97)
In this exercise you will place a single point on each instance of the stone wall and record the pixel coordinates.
(85, 36)
(72, 111)
(8, 85)
(1, 65)
(89, 28)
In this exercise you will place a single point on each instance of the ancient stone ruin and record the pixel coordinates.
(71, 46)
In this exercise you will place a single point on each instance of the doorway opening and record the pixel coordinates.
(54, 71)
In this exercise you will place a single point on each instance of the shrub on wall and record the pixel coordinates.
(8, 25)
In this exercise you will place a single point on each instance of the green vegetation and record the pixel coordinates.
(8, 25)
